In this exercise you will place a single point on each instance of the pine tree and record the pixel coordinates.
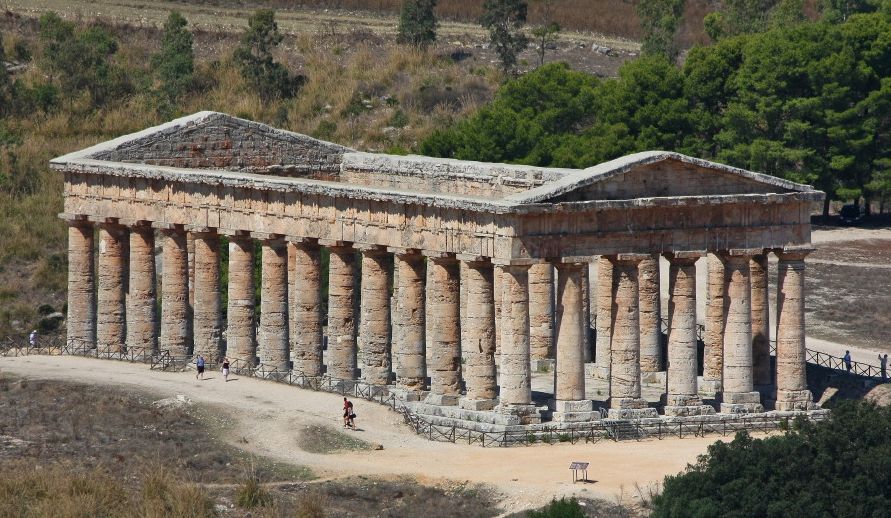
(254, 56)
(175, 64)
(417, 22)
(505, 20)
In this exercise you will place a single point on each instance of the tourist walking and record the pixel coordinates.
(883, 366)
(348, 414)
(225, 369)
(199, 365)
(32, 338)
(847, 360)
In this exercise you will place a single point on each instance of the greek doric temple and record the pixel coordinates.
(448, 282)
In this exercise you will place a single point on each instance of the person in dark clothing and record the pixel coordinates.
(847, 360)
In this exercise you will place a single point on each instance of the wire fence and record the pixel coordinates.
(430, 427)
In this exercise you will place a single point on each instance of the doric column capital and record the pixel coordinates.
(75, 220)
(740, 253)
(793, 254)
(627, 259)
(684, 258)
(569, 265)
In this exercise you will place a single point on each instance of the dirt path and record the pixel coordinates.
(268, 414)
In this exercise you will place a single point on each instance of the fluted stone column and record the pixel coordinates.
(650, 316)
(374, 322)
(110, 299)
(272, 345)
(792, 391)
(683, 397)
(306, 312)
(479, 337)
(443, 330)
(569, 385)
(207, 306)
(409, 324)
(175, 294)
(142, 318)
(587, 345)
(241, 343)
(760, 320)
(81, 321)
(738, 395)
(541, 312)
(342, 361)
(515, 399)
(625, 400)
(604, 317)
(496, 289)
(713, 337)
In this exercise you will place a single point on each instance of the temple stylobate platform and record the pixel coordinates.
(449, 283)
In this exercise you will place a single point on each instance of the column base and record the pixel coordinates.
(527, 414)
(741, 403)
(546, 365)
(477, 404)
(442, 399)
(789, 400)
(573, 411)
(408, 394)
(630, 408)
(684, 405)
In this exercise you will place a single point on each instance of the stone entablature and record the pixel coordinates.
(488, 266)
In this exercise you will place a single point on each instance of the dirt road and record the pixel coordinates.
(268, 415)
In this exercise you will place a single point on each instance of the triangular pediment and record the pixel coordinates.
(657, 174)
(211, 140)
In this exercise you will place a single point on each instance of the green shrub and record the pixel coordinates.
(417, 22)
(562, 508)
(251, 494)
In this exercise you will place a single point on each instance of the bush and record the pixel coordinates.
(562, 508)
(251, 494)
(504, 19)
(841, 467)
(175, 64)
(417, 22)
(254, 57)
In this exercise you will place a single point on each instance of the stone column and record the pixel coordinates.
(604, 317)
(443, 330)
(408, 325)
(587, 346)
(625, 401)
(541, 313)
(207, 305)
(240, 340)
(341, 313)
(738, 395)
(175, 294)
(374, 322)
(683, 398)
(496, 289)
(792, 391)
(272, 344)
(81, 321)
(760, 320)
(142, 318)
(516, 393)
(713, 337)
(479, 337)
(569, 387)
(650, 316)
(306, 313)
(110, 299)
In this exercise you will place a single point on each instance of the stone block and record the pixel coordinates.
(441, 399)
(741, 408)
(632, 413)
(477, 404)
(709, 389)
(653, 378)
(741, 398)
(627, 403)
(585, 405)
(688, 411)
(683, 400)
(575, 417)
(789, 400)
(408, 395)
(527, 414)
(546, 365)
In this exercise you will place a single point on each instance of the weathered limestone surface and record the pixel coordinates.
(273, 346)
(516, 393)
(341, 313)
(570, 375)
(142, 319)
(81, 321)
(650, 316)
(496, 288)
(175, 295)
(110, 328)
(306, 312)
(588, 345)
(478, 342)
(374, 322)
(409, 323)
(792, 391)
(541, 311)
(207, 305)
(240, 339)
(760, 320)
(738, 395)
(443, 330)
(604, 314)
(683, 397)
(713, 337)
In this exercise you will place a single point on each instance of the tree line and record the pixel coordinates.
(809, 101)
